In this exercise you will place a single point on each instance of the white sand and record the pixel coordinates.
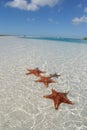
(22, 106)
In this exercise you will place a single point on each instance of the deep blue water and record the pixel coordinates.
(74, 40)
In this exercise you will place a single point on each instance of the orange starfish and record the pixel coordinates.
(35, 71)
(45, 80)
(58, 98)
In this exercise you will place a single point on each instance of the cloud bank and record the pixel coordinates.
(77, 20)
(33, 5)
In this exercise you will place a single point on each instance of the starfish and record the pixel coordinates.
(45, 80)
(55, 75)
(35, 71)
(58, 98)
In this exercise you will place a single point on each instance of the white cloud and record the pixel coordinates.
(77, 20)
(22, 4)
(33, 5)
(85, 9)
(45, 2)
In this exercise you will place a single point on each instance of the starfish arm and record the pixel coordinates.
(38, 81)
(48, 96)
(28, 69)
(53, 91)
(46, 84)
(67, 101)
(56, 103)
(51, 81)
(28, 73)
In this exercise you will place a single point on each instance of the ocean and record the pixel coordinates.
(70, 40)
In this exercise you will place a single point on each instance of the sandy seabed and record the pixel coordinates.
(22, 106)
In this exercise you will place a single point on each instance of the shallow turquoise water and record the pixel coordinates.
(74, 40)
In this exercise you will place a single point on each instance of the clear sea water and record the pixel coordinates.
(22, 106)
(74, 40)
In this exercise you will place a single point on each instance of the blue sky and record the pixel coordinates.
(44, 17)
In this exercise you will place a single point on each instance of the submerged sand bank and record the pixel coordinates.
(22, 106)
